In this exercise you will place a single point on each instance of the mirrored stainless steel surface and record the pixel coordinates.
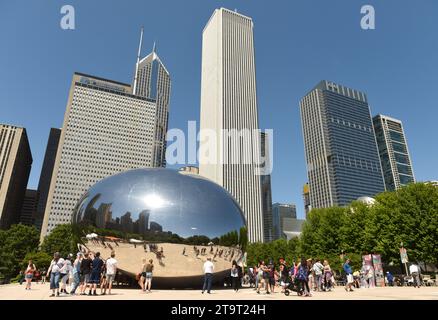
(178, 220)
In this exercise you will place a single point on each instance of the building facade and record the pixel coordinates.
(46, 175)
(342, 159)
(292, 227)
(29, 208)
(280, 212)
(15, 165)
(106, 130)
(306, 198)
(228, 108)
(394, 153)
(266, 190)
(152, 81)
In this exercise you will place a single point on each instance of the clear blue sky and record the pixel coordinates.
(297, 44)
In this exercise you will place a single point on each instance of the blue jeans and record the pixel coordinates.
(54, 280)
(208, 278)
(76, 282)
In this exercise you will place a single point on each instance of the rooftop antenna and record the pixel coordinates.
(138, 60)
(153, 48)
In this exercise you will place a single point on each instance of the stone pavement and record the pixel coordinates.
(41, 292)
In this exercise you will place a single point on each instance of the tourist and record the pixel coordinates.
(283, 277)
(318, 271)
(29, 273)
(21, 277)
(327, 277)
(414, 270)
(271, 276)
(265, 270)
(234, 276)
(149, 269)
(259, 277)
(142, 277)
(96, 270)
(76, 271)
(85, 272)
(370, 277)
(111, 271)
(390, 278)
(64, 273)
(43, 275)
(303, 277)
(54, 271)
(103, 279)
(349, 273)
(208, 269)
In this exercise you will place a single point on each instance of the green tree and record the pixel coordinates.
(15, 243)
(63, 239)
(40, 260)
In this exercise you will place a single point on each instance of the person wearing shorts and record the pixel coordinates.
(149, 268)
(29, 274)
(96, 270)
(111, 270)
(85, 273)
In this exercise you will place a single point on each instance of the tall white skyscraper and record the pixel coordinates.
(152, 81)
(229, 102)
(106, 130)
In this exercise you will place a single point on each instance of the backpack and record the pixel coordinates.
(302, 274)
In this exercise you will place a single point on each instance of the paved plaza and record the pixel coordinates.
(41, 292)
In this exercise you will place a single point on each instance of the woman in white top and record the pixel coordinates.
(65, 273)
(54, 271)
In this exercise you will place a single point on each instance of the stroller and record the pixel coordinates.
(293, 285)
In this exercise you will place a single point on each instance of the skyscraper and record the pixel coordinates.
(46, 175)
(266, 191)
(15, 164)
(281, 212)
(152, 81)
(29, 207)
(341, 152)
(229, 104)
(394, 153)
(106, 130)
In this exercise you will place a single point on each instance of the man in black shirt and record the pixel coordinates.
(85, 272)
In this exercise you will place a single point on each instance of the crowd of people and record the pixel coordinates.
(88, 272)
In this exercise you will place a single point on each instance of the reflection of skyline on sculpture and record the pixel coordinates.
(146, 201)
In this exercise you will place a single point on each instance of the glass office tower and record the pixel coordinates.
(341, 153)
(393, 150)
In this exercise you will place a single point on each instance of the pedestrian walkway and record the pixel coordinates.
(41, 292)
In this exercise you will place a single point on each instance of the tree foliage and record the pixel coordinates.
(15, 243)
(63, 239)
(408, 215)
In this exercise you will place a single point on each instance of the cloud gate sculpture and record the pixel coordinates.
(177, 220)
